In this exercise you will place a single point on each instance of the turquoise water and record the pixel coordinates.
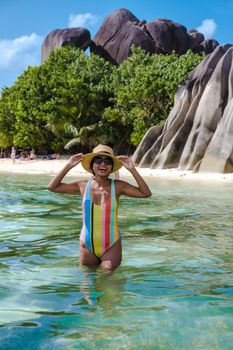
(174, 289)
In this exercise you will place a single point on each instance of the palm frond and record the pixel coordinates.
(75, 141)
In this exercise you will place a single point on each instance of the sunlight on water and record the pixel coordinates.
(173, 290)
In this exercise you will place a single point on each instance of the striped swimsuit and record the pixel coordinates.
(100, 228)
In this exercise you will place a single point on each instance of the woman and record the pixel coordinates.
(13, 154)
(100, 241)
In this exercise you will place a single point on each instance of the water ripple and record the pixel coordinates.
(175, 279)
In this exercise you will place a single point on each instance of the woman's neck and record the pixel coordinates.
(101, 181)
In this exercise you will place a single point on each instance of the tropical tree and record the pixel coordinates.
(80, 91)
(22, 120)
(144, 90)
(79, 100)
(50, 105)
(7, 118)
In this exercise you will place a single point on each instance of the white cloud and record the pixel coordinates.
(82, 20)
(208, 28)
(20, 52)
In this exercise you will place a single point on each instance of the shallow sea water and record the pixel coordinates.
(174, 289)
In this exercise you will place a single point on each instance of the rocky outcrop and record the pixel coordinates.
(78, 37)
(121, 29)
(198, 133)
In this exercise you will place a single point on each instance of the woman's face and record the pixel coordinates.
(102, 165)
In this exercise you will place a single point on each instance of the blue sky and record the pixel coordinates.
(25, 23)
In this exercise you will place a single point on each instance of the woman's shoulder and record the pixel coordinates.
(120, 182)
(120, 185)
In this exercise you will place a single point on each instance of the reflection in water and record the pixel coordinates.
(173, 290)
(102, 289)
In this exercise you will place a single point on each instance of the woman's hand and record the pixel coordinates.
(125, 188)
(56, 184)
(127, 162)
(75, 159)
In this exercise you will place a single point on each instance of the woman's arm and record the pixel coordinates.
(73, 187)
(129, 190)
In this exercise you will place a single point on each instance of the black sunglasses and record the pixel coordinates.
(106, 161)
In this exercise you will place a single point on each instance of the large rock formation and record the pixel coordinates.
(198, 133)
(121, 29)
(78, 37)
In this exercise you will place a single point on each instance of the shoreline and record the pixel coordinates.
(51, 167)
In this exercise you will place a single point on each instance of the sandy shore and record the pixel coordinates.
(53, 166)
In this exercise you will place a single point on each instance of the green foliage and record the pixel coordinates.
(7, 119)
(51, 104)
(21, 111)
(79, 93)
(75, 99)
(144, 89)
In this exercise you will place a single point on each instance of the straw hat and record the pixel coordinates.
(100, 150)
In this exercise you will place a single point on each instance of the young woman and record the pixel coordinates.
(100, 240)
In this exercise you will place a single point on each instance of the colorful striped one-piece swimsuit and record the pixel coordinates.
(100, 228)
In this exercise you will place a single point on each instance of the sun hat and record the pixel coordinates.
(100, 150)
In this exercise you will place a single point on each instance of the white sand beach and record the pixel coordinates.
(51, 167)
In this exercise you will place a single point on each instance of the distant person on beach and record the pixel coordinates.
(100, 239)
(55, 156)
(52, 156)
(32, 154)
(23, 155)
(13, 154)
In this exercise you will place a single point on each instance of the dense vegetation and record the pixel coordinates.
(76, 100)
